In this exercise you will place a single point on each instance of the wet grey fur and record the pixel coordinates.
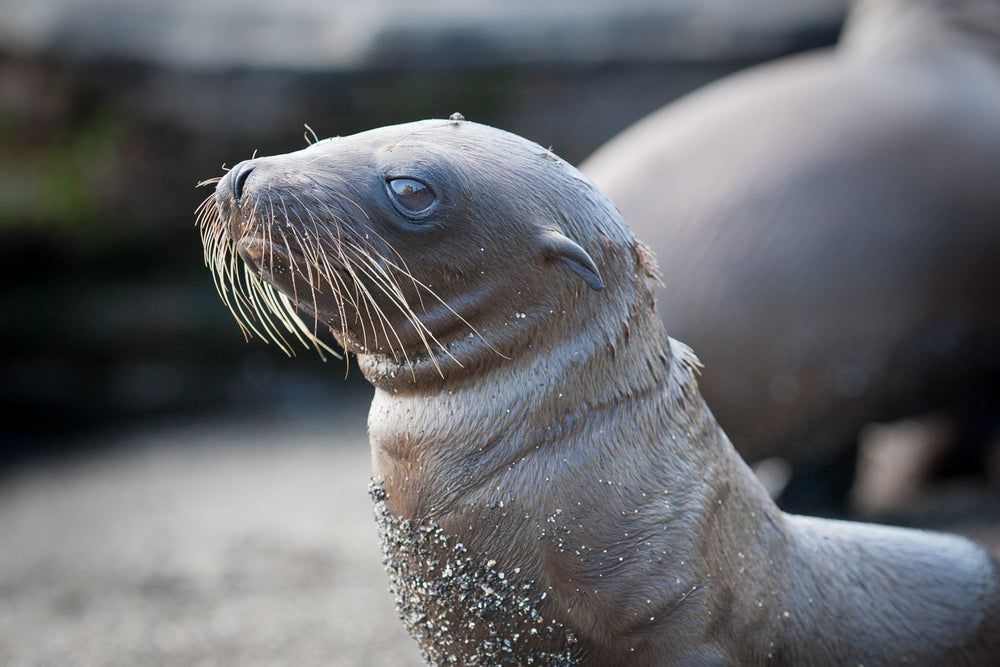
(551, 444)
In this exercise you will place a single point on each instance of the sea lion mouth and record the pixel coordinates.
(284, 266)
(293, 274)
(271, 270)
(245, 270)
(263, 257)
(275, 264)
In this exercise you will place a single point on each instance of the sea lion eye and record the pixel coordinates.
(411, 195)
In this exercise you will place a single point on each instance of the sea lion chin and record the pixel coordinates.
(550, 487)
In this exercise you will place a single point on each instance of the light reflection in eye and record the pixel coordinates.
(411, 194)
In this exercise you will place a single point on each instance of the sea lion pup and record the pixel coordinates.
(829, 226)
(550, 486)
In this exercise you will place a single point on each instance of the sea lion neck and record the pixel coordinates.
(517, 402)
(526, 472)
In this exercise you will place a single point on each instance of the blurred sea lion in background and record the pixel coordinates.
(828, 227)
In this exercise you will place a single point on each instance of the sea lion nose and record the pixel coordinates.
(229, 191)
(239, 175)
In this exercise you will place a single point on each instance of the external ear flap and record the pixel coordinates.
(560, 248)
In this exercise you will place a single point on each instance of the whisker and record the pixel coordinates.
(255, 304)
(386, 280)
(309, 131)
(209, 181)
(370, 305)
(397, 297)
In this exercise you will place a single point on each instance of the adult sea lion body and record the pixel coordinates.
(550, 486)
(829, 226)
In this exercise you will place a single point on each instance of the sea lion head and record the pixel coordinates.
(414, 244)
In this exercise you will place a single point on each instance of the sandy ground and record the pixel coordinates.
(216, 545)
(244, 544)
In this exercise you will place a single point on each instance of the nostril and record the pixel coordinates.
(239, 175)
